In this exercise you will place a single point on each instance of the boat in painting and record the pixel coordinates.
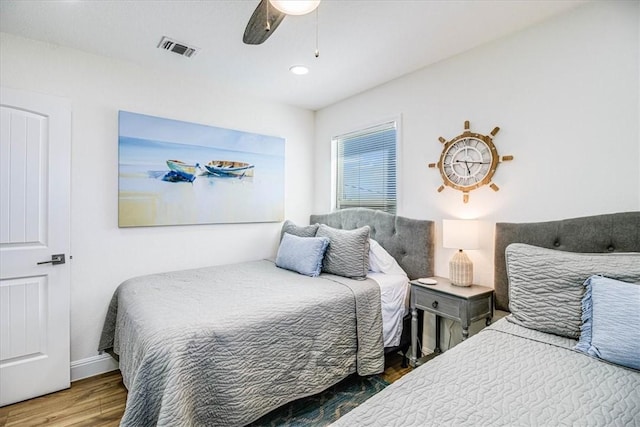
(229, 168)
(184, 170)
(173, 176)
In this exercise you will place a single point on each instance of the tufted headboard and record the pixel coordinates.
(618, 232)
(409, 241)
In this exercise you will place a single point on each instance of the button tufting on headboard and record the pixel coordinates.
(618, 232)
(409, 241)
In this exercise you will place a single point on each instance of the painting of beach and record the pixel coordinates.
(173, 173)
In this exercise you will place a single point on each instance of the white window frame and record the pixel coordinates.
(391, 122)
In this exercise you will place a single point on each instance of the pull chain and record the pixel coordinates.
(317, 52)
(267, 26)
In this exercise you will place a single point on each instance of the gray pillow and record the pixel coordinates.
(348, 251)
(545, 285)
(296, 230)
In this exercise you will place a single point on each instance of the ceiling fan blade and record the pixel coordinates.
(257, 30)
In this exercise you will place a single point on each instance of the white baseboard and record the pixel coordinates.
(91, 366)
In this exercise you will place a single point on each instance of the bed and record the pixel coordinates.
(224, 345)
(533, 368)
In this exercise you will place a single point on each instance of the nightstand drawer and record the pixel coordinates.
(462, 304)
(440, 304)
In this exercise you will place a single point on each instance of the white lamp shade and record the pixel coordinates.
(460, 234)
(295, 7)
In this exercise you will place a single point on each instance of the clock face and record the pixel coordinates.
(468, 161)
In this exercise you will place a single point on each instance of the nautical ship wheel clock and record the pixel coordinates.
(469, 161)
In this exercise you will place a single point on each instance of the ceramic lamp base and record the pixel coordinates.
(460, 270)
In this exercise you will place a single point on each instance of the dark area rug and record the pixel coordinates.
(324, 408)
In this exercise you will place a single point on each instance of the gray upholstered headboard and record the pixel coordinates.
(409, 241)
(619, 232)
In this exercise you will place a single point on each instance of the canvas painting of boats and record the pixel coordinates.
(167, 175)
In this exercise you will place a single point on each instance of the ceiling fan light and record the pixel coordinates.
(295, 7)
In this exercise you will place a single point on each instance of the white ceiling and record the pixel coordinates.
(362, 43)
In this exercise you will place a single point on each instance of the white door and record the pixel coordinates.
(35, 184)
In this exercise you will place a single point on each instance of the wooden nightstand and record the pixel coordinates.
(463, 304)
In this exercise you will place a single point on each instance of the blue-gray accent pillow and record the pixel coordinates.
(610, 319)
(302, 254)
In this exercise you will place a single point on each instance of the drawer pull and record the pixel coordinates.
(434, 304)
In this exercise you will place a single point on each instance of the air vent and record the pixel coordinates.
(177, 47)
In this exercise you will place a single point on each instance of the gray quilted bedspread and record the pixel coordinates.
(507, 375)
(222, 346)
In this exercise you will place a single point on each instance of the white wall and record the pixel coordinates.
(565, 94)
(103, 254)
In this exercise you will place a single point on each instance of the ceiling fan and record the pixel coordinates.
(270, 13)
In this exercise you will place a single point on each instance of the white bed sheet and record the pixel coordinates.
(393, 295)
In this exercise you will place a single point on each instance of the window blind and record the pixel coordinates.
(366, 168)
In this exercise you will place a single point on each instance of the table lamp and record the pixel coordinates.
(460, 234)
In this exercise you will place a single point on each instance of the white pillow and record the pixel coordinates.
(381, 262)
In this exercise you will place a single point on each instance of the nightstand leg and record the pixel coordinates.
(437, 349)
(414, 337)
(465, 332)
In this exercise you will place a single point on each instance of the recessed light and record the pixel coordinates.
(299, 69)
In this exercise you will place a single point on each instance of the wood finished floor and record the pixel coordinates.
(99, 401)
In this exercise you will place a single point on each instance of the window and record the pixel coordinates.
(366, 168)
